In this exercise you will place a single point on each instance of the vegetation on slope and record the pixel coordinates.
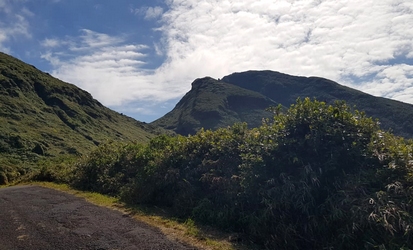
(213, 104)
(43, 117)
(243, 97)
(317, 176)
(285, 89)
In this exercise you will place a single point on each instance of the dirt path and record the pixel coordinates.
(33, 217)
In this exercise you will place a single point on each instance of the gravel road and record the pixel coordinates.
(33, 217)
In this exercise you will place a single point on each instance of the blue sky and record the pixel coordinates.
(140, 57)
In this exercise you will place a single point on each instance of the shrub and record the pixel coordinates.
(317, 176)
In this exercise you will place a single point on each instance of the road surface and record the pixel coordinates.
(33, 217)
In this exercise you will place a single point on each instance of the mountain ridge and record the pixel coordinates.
(211, 104)
(393, 115)
(284, 89)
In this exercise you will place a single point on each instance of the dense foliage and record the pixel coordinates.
(317, 176)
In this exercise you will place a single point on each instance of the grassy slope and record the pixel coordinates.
(212, 104)
(286, 89)
(43, 116)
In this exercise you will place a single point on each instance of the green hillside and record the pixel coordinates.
(41, 116)
(243, 97)
(285, 89)
(212, 104)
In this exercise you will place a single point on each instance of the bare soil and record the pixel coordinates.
(33, 217)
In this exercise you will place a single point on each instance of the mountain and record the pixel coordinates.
(211, 104)
(43, 116)
(277, 88)
(285, 89)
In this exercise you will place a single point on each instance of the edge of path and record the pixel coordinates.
(186, 232)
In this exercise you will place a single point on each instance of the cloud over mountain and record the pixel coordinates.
(366, 45)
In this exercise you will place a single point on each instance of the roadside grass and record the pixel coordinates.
(186, 231)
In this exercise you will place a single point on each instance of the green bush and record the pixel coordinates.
(12, 170)
(317, 176)
(59, 170)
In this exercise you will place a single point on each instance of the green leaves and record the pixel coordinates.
(317, 176)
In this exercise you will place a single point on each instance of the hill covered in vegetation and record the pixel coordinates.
(42, 117)
(317, 176)
(275, 87)
(285, 89)
(213, 104)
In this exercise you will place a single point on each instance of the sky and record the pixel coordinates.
(140, 57)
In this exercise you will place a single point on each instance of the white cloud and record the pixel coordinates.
(112, 70)
(153, 12)
(5, 6)
(50, 43)
(364, 44)
(53, 60)
(392, 81)
(332, 39)
(149, 12)
(13, 24)
(27, 12)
